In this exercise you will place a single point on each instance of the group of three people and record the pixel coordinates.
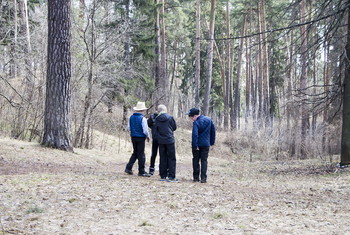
(163, 126)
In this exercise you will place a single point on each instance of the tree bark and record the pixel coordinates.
(227, 83)
(58, 82)
(345, 137)
(27, 48)
(164, 81)
(237, 101)
(197, 74)
(259, 77)
(14, 44)
(127, 60)
(265, 66)
(209, 59)
(305, 124)
(157, 53)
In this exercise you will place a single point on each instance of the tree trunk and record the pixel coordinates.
(227, 83)
(58, 89)
(163, 76)
(237, 102)
(80, 138)
(27, 48)
(197, 74)
(157, 53)
(259, 77)
(231, 87)
(209, 59)
(248, 70)
(265, 66)
(305, 125)
(127, 60)
(14, 44)
(345, 137)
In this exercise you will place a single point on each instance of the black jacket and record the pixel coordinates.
(151, 124)
(165, 126)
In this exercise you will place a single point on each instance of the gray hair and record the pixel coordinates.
(162, 108)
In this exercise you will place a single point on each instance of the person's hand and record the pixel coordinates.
(147, 138)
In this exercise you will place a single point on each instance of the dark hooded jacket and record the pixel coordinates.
(151, 124)
(165, 126)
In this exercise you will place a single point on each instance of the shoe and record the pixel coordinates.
(129, 172)
(162, 179)
(171, 179)
(151, 170)
(195, 180)
(203, 181)
(341, 165)
(144, 174)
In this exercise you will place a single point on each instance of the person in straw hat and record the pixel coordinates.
(139, 133)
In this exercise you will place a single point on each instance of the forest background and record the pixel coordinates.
(271, 73)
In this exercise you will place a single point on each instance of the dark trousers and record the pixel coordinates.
(138, 144)
(167, 166)
(155, 146)
(200, 156)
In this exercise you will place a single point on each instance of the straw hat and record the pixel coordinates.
(140, 106)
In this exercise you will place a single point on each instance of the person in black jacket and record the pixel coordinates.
(151, 124)
(165, 126)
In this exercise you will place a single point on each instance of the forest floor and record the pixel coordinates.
(46, 191)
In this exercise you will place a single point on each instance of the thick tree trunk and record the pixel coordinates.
(209, 59)
(345, 137)
(58, 89)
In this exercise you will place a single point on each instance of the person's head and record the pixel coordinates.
(140, 107)
(193, 113)
(161, 108)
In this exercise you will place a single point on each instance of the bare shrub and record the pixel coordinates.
(280, 143)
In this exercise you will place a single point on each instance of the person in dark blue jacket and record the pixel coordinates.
(203, 136)
(139, 133)
(165, 126)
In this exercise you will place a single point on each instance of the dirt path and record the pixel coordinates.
(45, 191)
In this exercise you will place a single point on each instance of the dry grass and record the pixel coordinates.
(46, 191)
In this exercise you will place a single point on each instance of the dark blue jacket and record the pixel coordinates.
(165, 126)
(136, 129)
(203, 132)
